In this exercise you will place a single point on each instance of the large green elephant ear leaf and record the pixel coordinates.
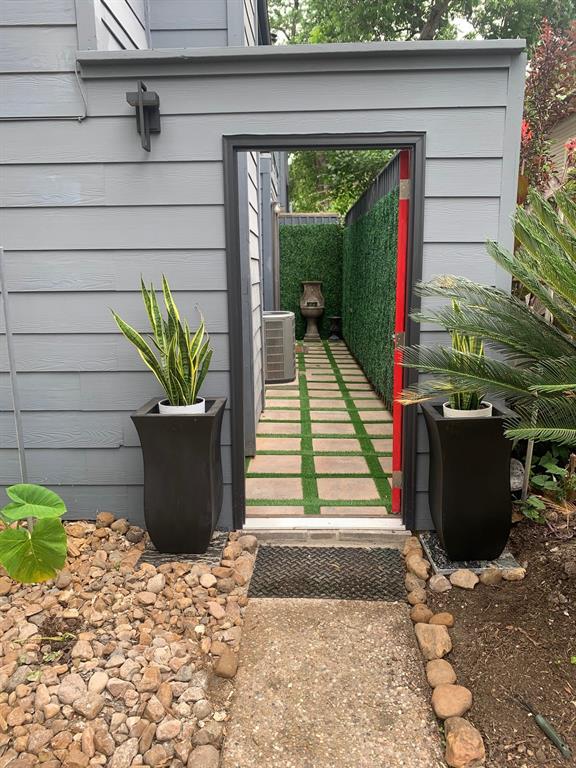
(34, 557)
(32, 501)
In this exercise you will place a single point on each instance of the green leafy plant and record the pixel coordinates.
(533, 507)
(32, 540)
(535, 369)
(183, 358)
(552, 476)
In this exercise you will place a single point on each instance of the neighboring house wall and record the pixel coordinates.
(559, 135)
(94, 211)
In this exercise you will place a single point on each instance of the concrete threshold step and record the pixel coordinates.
(331, 538)
(385, 523)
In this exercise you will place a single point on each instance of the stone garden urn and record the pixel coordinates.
(312, 307)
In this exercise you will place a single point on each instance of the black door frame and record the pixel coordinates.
(232, 146)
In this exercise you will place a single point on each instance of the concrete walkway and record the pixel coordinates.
(330, 684)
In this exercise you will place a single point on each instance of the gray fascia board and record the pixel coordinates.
(235, 60)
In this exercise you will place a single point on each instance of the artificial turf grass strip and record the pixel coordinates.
(365, 443)
(309, 484)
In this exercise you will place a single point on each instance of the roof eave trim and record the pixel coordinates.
(303, 52)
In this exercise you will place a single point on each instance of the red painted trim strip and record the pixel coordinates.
(400, 323)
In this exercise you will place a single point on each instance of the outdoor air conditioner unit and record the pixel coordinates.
(279, 347)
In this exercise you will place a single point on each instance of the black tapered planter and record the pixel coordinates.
(469, 482)
(183, 486)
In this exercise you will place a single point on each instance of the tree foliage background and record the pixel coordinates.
(328, 181)
(550, 96)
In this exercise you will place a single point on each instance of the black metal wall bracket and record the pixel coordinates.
(147, 104)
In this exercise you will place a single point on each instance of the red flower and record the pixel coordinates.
(526, 132)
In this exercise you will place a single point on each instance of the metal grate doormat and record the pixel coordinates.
(345, 573)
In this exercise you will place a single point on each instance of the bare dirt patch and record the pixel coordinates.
(519, 639)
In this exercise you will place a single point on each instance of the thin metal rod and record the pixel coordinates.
(527, 469)
(12, 370)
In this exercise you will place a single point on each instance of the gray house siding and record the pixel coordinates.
(269, 195)
(112, 25)
(200, 23)
(249, 205)
(255, 281)
(77, 247)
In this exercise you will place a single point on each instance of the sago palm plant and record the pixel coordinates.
(533, 365)
(183, 357)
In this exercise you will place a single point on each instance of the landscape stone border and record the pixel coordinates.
(450, 701)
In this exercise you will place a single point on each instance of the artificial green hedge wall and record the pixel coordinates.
(369, 291)
(311, 252)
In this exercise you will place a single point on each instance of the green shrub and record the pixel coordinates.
(369, 291)
(311, 252)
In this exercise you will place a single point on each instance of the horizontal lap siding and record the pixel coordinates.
(90, 352)
(184, 24)
(32, 49)
(114, 228)
(116, 211)
(451, 133)
(101, 465)
(410, 90)
(93, 391)
(189, 38)
(37, 12)
(89, 270)
(78, 429)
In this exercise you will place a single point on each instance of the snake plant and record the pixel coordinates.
(177, 357)
(470, 345)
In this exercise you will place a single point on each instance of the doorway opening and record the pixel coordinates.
(330, 448)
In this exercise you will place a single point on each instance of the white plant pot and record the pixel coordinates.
(181, 410)
(476, 413)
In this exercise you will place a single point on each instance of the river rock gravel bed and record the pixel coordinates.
(118, 663)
